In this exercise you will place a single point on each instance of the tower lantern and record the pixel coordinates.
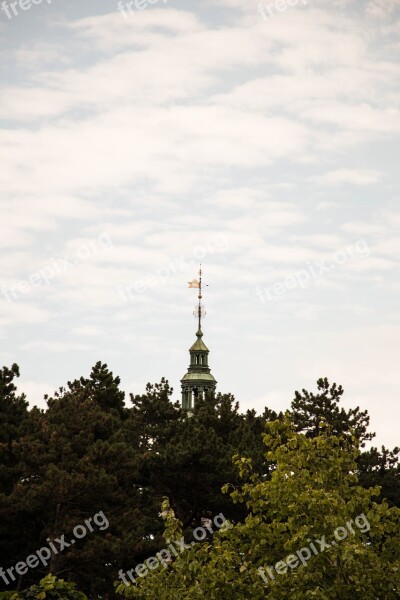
(198, 381)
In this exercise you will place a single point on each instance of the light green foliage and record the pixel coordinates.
(312, 491)
(49, 588)
(172, 525)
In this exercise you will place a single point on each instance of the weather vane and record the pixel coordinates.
(199, 312)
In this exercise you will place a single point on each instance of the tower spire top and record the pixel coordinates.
(199, 312)
(198, 381)
(200, 307)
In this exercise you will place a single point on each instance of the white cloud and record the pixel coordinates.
(363, 228)
(382, 8)
(12, 313)
(362, 117)
(58, 347)
(88, 331)
(360, 177)
(389, 247)
(322, 240)
(35, 392)
(111, 31)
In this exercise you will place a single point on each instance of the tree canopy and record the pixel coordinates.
(91, 450)
(311, 531)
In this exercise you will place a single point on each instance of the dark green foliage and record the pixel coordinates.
(310, 410)
(13, 422)
(88, 452)
(188, 459)
(13, 417)
(102, 388)
(383, 469)
(75, 462)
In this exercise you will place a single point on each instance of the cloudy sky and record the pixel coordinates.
(135, 145)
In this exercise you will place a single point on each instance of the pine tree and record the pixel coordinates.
(381, 468)
(13, 418)
(13, 421)
(75, 462)
(189, 458)
(311, 410)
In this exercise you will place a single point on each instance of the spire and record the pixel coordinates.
(198, 381)
(200, 310)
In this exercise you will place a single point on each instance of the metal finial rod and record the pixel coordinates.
(200, 297)
(199, 311)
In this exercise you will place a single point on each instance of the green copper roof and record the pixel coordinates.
(198, 377)
(199, 344)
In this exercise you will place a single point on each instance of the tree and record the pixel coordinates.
(102, 387)
(309, 410)
(311, 526)
(49, 588)
(13, 417)
(189, 458)
(75, 462)
(381, 468)
(13, 422)
(87, 453)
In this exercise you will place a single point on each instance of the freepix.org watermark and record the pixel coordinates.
(268, 11)
(302, 556)
(134, 5)
(165, 556)
(312, 271)
(12, 9)
(160, 276)
(56, 267)
(56, 546)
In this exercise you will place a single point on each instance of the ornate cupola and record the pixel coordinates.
(198, 381)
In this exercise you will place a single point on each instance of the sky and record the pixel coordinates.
(259, 140)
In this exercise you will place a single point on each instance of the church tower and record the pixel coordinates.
(198, 381)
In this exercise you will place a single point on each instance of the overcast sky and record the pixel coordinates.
(263, 145)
